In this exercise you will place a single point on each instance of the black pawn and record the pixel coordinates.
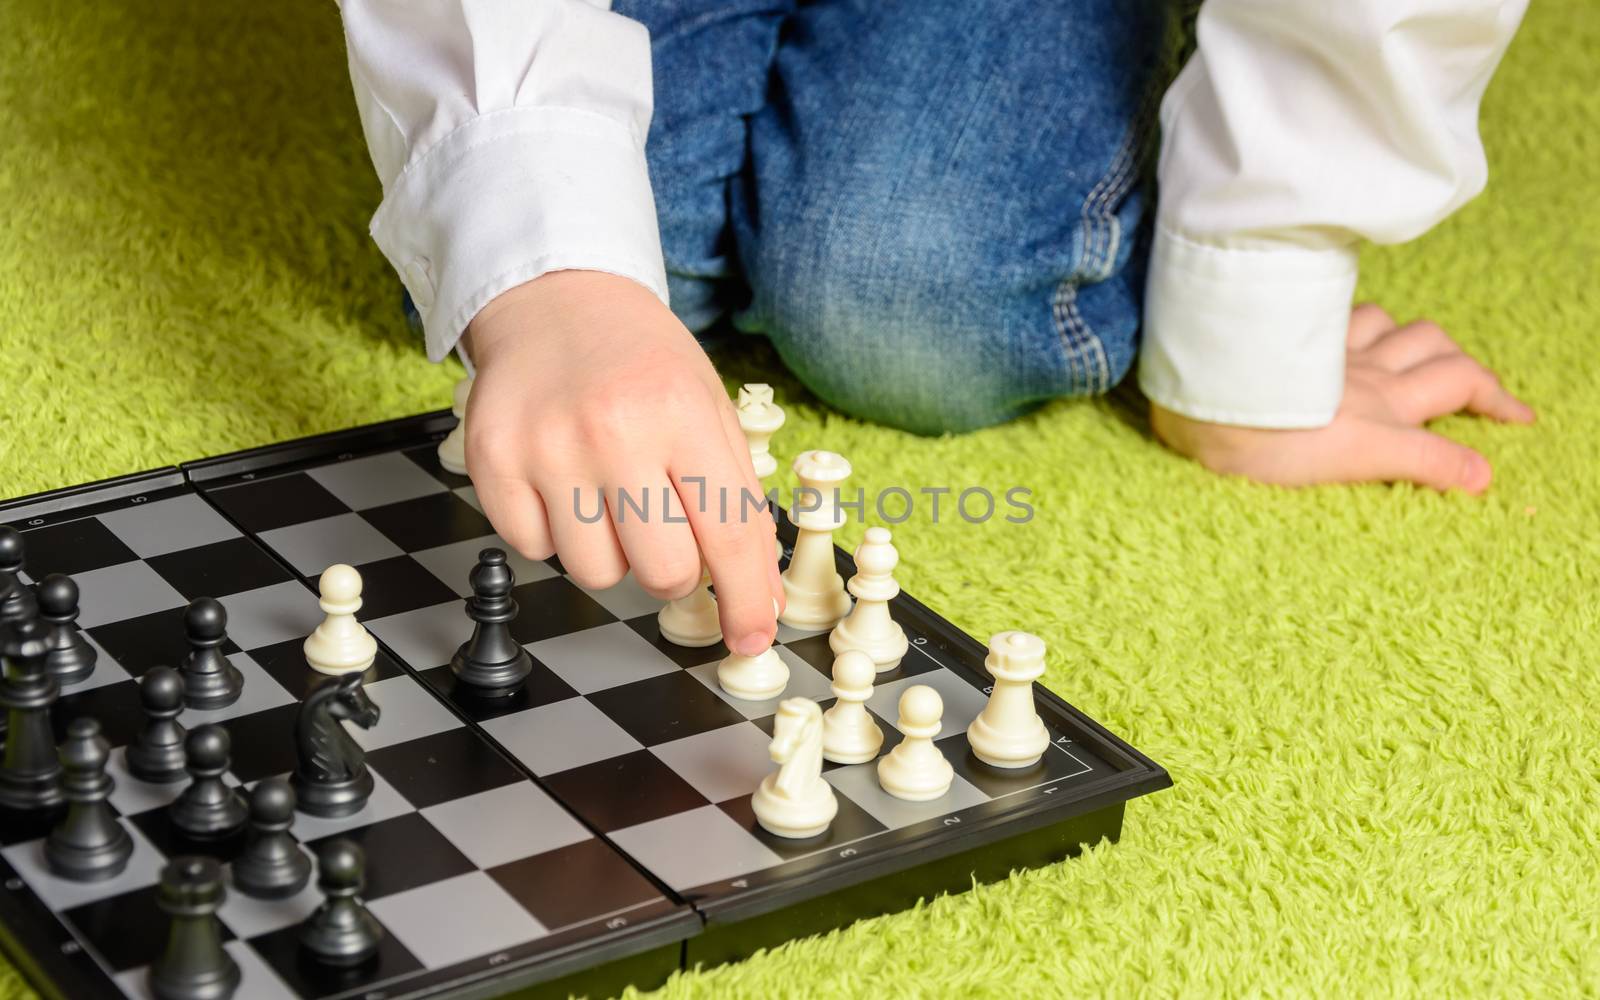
(30, 771)
(71, 658)
(209, 680)
(89, 844)
(156, 753)
(492, 663)
(341, 931)
(194, 965)
(13, 593)
(208, 809)
(272, 866)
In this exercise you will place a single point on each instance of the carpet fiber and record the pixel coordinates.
(1378, 704)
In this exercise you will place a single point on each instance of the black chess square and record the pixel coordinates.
(72, 547)
(998, 781)
(158, 828)
(427, 457)
(219, 569)
(664, 708)
(429, 521)
(547, 608)
(127, 930)
(21, 826)
(542, 687)
(402, 853)
(814, 649)
(265, 504)
(263, 742)
(850, 823)
(397, 585)
(151, 640)
(286, 662)
(623, 791)
(649, 629)
(448, 765)
(116, 706)
(574, 883)
(310, 978)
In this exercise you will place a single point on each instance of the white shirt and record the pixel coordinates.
(509, 136)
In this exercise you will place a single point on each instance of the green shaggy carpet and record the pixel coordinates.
(1378, 704)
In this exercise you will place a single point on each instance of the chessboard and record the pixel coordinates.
(591, 831)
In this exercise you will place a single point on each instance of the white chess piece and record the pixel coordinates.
(915, 770)
(815, 591)
(869, 627)
(753, 678)
(760, 418)
(691, 621)
(453, 449)
(794, 801)
(340, 645)
(849, 733)
(1008, 732)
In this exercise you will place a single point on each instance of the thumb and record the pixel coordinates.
(1396, 454)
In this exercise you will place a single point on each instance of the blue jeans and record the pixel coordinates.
(934, 209)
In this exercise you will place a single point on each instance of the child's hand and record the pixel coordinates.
(586, 382)
(1396, 379)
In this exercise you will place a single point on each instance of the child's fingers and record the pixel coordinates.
(518, 514)
(1411, 345)
(1368, 322)
(737, 543)
(656, 539)
(581, 515)
(1410, 454)
(1452, 384)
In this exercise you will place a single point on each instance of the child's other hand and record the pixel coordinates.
(587, 382)
(1396, 379)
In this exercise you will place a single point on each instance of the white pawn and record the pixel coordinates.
(915, 770)
(340, 645)
(453, 449)
(869, 627)
(753, 678)
(794, 801)
(1008, 732)
(815, 591)
(849, 733)
(691, 621)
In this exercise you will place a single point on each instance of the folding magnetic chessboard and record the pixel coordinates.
(593, 830)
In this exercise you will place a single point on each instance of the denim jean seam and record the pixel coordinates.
(1102, 239)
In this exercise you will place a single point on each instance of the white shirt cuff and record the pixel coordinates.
(1253, 337)
(512, 195)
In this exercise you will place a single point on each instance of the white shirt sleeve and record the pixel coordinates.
(1297, 129)
(509, 136)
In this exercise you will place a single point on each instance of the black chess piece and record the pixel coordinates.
(208, 809)
(272, 866)
(71, 658)
(492, 663)
(157, 753)
(194, 965)
(13, 602)
(331, 778)
(30, 771)
(341, 932)
(89, 844)
(209, 680)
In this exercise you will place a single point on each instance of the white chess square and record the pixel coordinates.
(625, 600)
(804, 682)
(505, 824)
(106, 670)
(144, 868)
(257, 981)
(453, 563)
(723, 763)
(261, 692)
(559, 736)
(271, 614)
(427, 637)
(962, 701)
(386, 802)
(460, 918)
(131, 796)
(859, 783)
(248, 916)
(376, 480)
(409, 712)
(117, 593)
(313, 546)
(695, 848)
(602, 657)
(154, 529)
